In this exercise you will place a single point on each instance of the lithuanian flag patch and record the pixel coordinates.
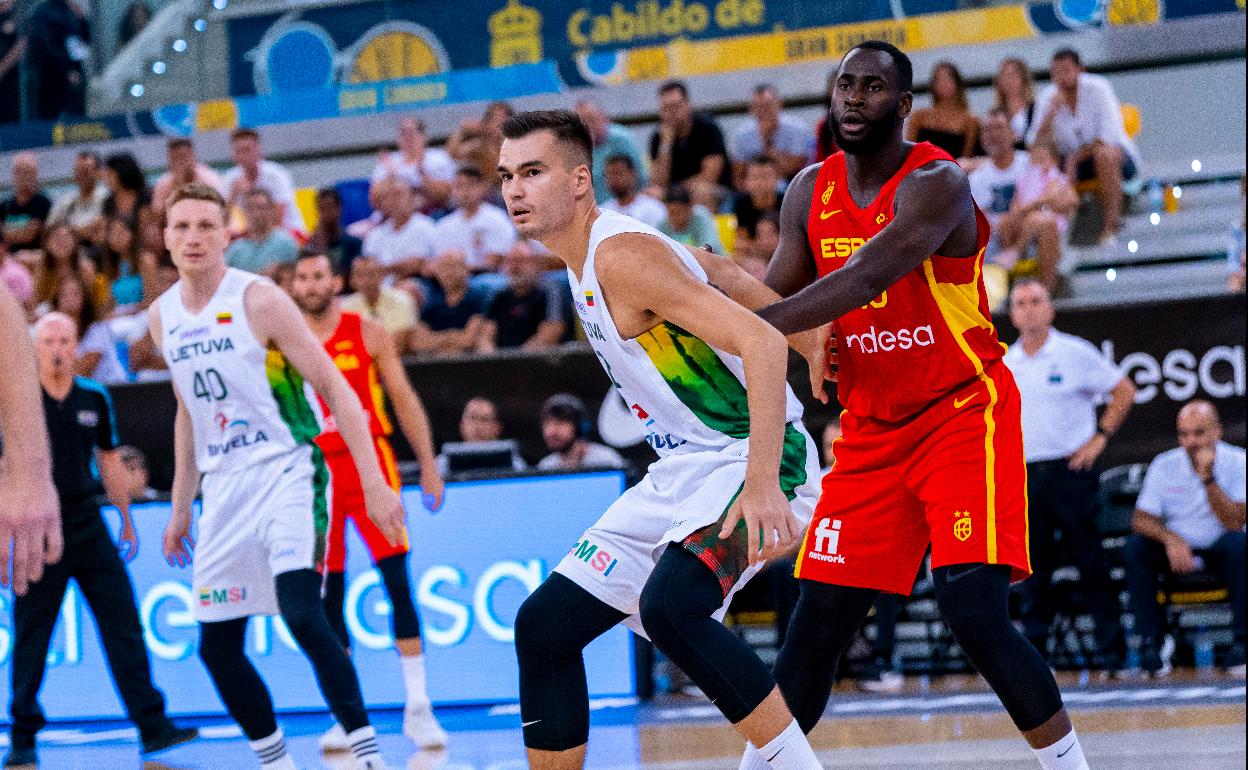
(225, 318)
(589, 298)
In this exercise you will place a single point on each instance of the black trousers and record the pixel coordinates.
(1146, 561)
(1066, 500)
(92, 560)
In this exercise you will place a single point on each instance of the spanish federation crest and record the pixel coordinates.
(962, 525)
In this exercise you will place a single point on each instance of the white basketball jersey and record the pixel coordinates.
(689, 396)
(247, 403)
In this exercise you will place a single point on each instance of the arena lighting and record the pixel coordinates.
(220, 4)
(179, 45)
(1154, 218)
(200, 25)
(136, 90)
(1178, 192)
(158, 68)
(1111, 274)
(1196, 165)
(1133, 246)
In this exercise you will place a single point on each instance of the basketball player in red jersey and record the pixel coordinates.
(364, 353)
(884, 242)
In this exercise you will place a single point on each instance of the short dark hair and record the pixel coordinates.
(128, 172)
(331, 193)
(244, 133)
(566, 125)
(677, 193)
(311, 252)
(91, 155)
(621, 158)
(674, 85)
(1067, 53)
(763, 159)
(472, 172)
(901, 62)
(180, 141)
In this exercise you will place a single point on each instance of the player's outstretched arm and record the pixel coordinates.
(413, 419)
(640, 275)
(275, 320)
(929, 206)
(30, 516)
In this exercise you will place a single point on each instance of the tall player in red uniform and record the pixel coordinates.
(884, 242)
(365, 354)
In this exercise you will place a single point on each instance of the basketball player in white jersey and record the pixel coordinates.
(241, 359)
(737, 475)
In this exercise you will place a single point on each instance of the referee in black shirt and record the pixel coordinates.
(82, 430)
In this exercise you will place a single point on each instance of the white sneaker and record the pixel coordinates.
(335, 740)
(421, 726)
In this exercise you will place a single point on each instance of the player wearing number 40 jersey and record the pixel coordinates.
(239, 354)
(363, 352)
(884, 242)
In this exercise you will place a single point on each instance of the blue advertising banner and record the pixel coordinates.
(472, 564)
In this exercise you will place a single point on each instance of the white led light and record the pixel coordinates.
(200, 25)
(220, 4)
(1196, 165)
(1133, 246)
(136, 90)
(1111, 274)
(1154, 218)
(179, 45)
(158, 68)
(1178, 192)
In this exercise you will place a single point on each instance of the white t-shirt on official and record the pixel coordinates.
(388, 244)
(1173, 492)
(644, 207)
(993, 188)
(276, 181)
(437, 164)
(489, 231)
(1060, 386)
(596, 456)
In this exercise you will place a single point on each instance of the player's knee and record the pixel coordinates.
(537, 625)
(659, 615)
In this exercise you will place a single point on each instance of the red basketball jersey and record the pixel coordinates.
(346, 347)
(929, 332)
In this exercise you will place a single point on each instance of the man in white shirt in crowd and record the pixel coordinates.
(264, 246)
(1081, 115)
(427, 170)
(769, 132)
(251, 170)
(405, 242)
(481, 230)
(993, 182)
(393, 308)
(184, 169)
(1189, 517)
(565, 425)
(610, 140)
(625, 187)
(1062, 379)
(83, 207)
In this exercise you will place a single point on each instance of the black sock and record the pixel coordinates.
(403, 619)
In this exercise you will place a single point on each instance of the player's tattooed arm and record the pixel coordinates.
(933, 213)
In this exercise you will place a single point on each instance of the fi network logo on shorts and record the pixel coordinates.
(827, 540)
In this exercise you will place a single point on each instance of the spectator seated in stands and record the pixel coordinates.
(529, 312)
(479, 424)
(565, 425)
(825, 137)
(128, 196)
(688, 147)
(766, 241)
(771, 133)
(626, 195)
(265, 245)
(453, 318)
(24, 212)
(687, 222)
(1080, 114)
(393, 308)
(611, 140)
(144, 361)
(62, 259)
(329, 238)
(761, 193)
(427, 170)
(1015, 95)
(1189, 516)
(481, 231)
(477, 142)
(97, 356)
(184, 169)
(137, 478)
(83, 207)
(252, 170)
(404, 242)
(126, 267)
(948, 123)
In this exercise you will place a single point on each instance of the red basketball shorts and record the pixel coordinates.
(952, 476)
(347, 502)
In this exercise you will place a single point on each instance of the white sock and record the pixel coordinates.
(363, 743)
(752, 759)
(1065, 754)
(271, 752)
(414, 681)
(790, 751)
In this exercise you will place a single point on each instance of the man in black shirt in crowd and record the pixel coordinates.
(529, 313)
(82, 431)
(688, 147)
(23, 213)
(330, 238)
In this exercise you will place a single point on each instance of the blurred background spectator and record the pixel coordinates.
(264, 245)
(565, 423)
(59, 45)
(825, 136)
(252, 170)
(97, 348)
(479, 424)
(611, 140)
(688, 147)
(393, 308)
(480, 230)
(948, 123)
(405, 241)
(329, 238)
(626, 192)
(429, 171)
(690, 223)
(453, 317)
(24, 212)
(82, 208)
(184, 168)
(529, 312)
(128, 193)
(137, 16)
(761, 194)
(771, 133)
(1015, 95)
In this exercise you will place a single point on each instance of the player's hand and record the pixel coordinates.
(128, 542)
(386, 511)
(1179, 553)
(178, 543)
(432, 488)
(30, 527)
(771, 527)
(813, 345)
(1086, 456)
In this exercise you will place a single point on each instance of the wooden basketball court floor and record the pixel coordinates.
(1184, 721)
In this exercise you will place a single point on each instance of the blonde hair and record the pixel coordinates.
(1024, 74)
